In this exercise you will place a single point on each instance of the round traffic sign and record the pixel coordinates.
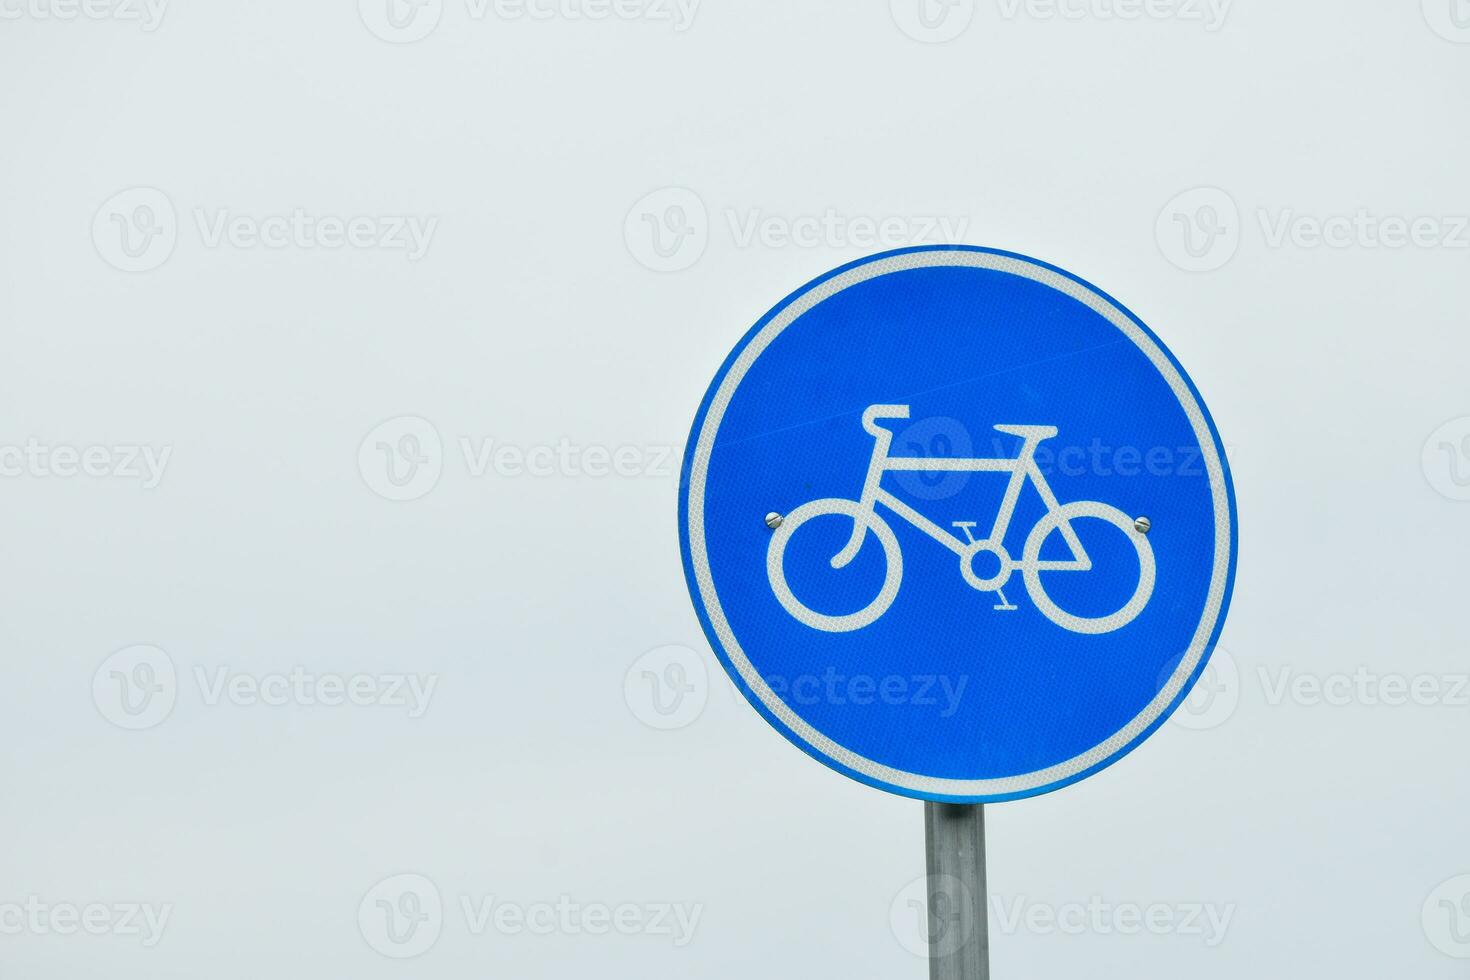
(957, 524)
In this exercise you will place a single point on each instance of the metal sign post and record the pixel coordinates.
(959, 934)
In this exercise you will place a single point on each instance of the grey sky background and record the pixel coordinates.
(281, 281)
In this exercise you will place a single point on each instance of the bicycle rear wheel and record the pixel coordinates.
(1031, 573)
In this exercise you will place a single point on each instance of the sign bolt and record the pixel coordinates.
(773, 520)
(1142, 524)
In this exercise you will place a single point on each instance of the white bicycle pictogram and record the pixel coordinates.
(1022, 468)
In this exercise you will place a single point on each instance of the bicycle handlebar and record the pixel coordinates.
(873, 413)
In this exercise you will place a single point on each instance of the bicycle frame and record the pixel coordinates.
(1021, 468)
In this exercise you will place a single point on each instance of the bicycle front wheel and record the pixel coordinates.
(776, 567)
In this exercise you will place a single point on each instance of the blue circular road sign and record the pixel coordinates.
(957, 524)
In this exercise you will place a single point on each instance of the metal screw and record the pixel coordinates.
(773, 520)
(1142, 524)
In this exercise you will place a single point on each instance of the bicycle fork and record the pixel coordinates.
(882, 439)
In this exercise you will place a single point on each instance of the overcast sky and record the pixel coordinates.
(350, 355)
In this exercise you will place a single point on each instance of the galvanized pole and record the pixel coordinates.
(954, 845)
